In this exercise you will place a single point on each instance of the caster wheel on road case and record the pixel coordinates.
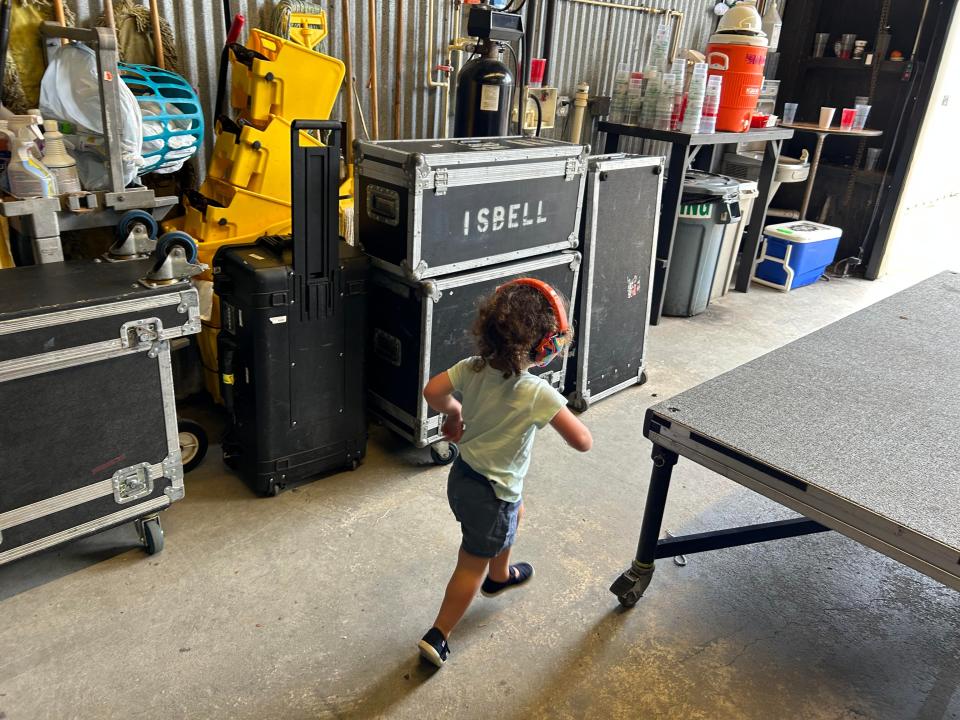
(193, 443)
(643, 377)
(444, 453)
(152, 535)
(176, 238)
(579, 405)
(136, 217)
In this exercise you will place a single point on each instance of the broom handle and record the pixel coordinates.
(108, 14)
(157, 37)
(60, 17)
(348, 61)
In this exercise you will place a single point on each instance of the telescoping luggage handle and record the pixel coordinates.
(315, 190)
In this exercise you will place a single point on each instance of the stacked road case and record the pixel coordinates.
(88, 436)
(445, 222)
(621, 210)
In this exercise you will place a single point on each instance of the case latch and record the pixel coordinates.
(441, 181)
(132, 483)
(146, 334)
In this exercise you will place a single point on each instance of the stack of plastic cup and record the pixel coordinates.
(695, 96)
(846, 45)
(679, 69)
(651, 96)
(711, 105)
(635, 98)
(660, 48)
(789, 113)
(664, 110)
(820, 44)
(860, 120)
(621, 86)
(847, 116)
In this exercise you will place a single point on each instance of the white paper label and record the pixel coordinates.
(490, 98)
(278, 319)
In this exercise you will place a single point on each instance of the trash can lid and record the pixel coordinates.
(699, 186)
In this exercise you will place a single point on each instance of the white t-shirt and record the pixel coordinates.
(501, 416)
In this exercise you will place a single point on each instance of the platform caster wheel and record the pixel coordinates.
(630, 586)
(193, 443)
(152, 535)
(444, 453)
(134, 217)
(177, 238)
(353, 465)
(275, 489)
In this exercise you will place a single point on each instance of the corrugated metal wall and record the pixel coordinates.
(589, 42)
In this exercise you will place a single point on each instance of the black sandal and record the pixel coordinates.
(519, 574)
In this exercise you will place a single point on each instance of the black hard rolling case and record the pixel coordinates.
(292, 338)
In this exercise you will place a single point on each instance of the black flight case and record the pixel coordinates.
(88, 432)
(426, 208)
(621, 212)
(422, 328)
(292, 339)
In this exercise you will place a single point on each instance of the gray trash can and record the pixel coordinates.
(710, 202)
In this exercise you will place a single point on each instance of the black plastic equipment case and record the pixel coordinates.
(292, 340)
(426, 208)
(88, 432)
(621, 212)
(421, 328)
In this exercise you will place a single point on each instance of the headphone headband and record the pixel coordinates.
(556, 304)
(553, 344)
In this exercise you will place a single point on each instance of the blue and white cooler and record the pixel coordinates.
(795, 254)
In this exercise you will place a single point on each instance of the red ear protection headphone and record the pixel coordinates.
(554, 343)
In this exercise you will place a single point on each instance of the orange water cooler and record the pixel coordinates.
(737, 53)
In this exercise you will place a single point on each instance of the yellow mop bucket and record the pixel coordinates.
(280, 77)
(222, 214)
(256, 160)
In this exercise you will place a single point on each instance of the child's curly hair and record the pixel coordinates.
(510, 325)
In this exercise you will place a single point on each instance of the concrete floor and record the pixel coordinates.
(309, 605)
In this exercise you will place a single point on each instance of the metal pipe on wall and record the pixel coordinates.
(374, 90)
(453, 30)
(430, 58)
(398, 71)
(548, 21)
(529, 46)
(676, 15)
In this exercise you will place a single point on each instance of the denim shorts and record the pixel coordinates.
(489, 524)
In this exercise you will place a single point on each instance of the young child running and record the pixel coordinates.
(524, 323)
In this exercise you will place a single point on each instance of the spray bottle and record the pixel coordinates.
(26, 174)
(58, 160)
